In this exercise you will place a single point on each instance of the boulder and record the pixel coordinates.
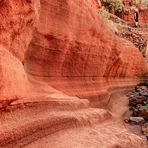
(143, 112)
(57, 56)
(63, 41)
(137, 100)
(137, 120)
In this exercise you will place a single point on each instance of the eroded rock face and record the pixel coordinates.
(13, 79)
(65, 41)
(18, 19)
(143, 16)
(80, 45)
(97, 3)
(69, 40)
(77, 48)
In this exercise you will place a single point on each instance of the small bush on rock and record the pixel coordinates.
(105, 15)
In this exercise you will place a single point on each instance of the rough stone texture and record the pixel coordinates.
(138, 36)
(72, 49)
(13, 79)
(145, 129)
(136, 119)
(65, 43)
(97, 3)
(143, 16)
(77, 48)
(130, 2)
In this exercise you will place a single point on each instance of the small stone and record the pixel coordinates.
(138, 106)
(131, 108)
(144, 88)
(141, 89)
(143, 112)
(126, 120)
(137, 120)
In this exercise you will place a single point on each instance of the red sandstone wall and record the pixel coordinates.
(129, 16)
(79, 46)
(97, 3)
(69, 41)
(18, 18)
(127, 2)
(143, 16)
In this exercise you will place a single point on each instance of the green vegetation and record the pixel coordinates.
(144, 2)
(105, 16)
(115, 6)
(145, 106)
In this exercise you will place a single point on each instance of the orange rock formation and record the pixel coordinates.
(58, 55)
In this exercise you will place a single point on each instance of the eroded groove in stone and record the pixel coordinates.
(59, 63)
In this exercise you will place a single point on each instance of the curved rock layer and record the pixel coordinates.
(71, 42)
(57, 62)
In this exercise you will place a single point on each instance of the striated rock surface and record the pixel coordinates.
(13, 79)
(74, 50)
(77, 48)
(17, 20)
(58, 61)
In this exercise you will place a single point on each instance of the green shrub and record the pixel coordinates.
(144, 2)
(145, 106)
(105, 16)
(114, 5)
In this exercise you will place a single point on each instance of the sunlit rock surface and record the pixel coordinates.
(82, 47)
(58, 62)
(143, 16)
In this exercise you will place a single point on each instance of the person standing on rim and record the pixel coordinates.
(136, 17)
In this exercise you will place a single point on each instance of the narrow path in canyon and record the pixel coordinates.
(61, 120)
(108, 134)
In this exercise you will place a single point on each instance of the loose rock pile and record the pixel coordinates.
(137, 39)
(138, 36)
(138, 103)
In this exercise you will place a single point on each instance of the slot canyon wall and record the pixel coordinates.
(62, 41)
(18, 18)
(76, 49)
(59, 63)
